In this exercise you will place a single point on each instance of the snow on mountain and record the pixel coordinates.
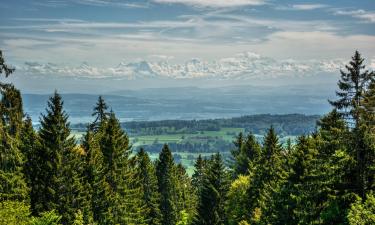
(245, 65)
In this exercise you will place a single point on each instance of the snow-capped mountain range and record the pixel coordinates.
(246, 65)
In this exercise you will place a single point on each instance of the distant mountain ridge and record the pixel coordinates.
(242, 66)
(189, 103)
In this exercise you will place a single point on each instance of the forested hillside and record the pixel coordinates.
(326, 177)
(289, 124)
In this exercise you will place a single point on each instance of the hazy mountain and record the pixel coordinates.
(192, 102)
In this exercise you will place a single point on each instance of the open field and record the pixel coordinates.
(187, 158)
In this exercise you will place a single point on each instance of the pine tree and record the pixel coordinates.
(211, 205)
(94, 176)
(295, 202)
(11, 109)
(333, 185)
(100, 113)
(58, 184)
(166, 186)
(238, 142)
(353, 86)
(149, 187)
(268, 176)
(12, 181)
(185, 193)
(29, 147)
(123, 201)
(199, 170)
(247, 157)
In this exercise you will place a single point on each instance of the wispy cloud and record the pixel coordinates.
(360, 14)
(301, 7)
(116, 3)
(101, 3)
(308, 6)
(214, 3)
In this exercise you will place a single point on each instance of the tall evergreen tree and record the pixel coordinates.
(149, 187)
(247, 157)
(29, 148)
(353, 86)
(199, 170)
(210, 210)
(166, 186)
(238, 142)
(123, 200)
(59, 181)
(100, 113)
(185, 195)
(94, 176)
(295, 202)
(267, 178)
(12, 181)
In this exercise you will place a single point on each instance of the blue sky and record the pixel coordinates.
(175, 39)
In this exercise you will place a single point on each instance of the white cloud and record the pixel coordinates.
(360, 14)
(308, 6)
(214, 3)
(301, 7)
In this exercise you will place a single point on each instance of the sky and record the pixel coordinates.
(94, 45)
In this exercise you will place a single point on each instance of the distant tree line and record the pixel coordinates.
(290, 124)
(327, 177)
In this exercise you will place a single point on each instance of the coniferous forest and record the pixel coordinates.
(327, 177)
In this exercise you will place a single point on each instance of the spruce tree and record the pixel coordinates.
(166, 186)
(247, 157)
(12, 181)
(199, 170)
(123, 200)
(295, 202)
(100, 113)
(333, 186)
(353, 85)
(146, 174)
(212, 197)
(59, 184)
(29, 147)
(185, 193)
(94, 176)
(268, 176)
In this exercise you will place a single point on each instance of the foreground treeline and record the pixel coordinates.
(327, 177)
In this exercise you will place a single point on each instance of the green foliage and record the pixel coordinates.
(46, 218)
(247, 156)
(166, 187)
(149, 187)
(14, 213)
(362, 212)
(100, 113)
(121, 196)
(212, 197)
(236, 205)
(78, 218)
(58, 165)
(184, 218)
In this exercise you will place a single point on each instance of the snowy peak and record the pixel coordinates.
(246, 65)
